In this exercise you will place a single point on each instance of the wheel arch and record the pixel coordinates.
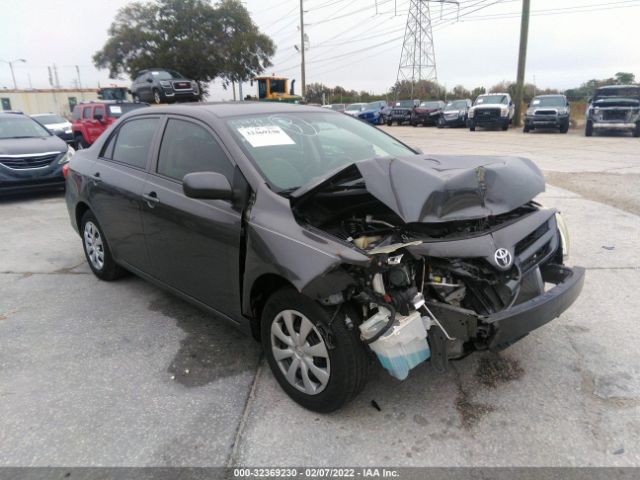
(81, 209)
(261, 289)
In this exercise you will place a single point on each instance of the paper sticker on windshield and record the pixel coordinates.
(115, 109)
(265, 136)
(480, 100)
(535, 102)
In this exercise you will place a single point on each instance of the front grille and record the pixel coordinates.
(530, 239)
(25, 163)
(400, 112)
(486, 113)
(545, 112)
(182, 85)
(614, 115)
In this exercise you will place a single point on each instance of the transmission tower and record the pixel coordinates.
(418, 57)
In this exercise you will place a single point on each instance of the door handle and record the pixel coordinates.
(96, 178)
(151, 198)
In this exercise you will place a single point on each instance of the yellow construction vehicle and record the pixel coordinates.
(274, 89)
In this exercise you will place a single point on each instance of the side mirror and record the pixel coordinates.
(206, 185)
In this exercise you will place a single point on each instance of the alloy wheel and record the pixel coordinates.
(300, 352)
(94, 245)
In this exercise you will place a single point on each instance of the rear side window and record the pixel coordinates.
(99, 111)
(86, 112)
(187, 148)
(134, 141)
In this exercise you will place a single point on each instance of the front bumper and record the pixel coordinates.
(35, 179)
(508, 326)
(487, 121)
(425, 118)
(533, 121)
(614, 125)
(454, 121)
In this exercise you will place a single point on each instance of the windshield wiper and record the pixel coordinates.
(22, 136)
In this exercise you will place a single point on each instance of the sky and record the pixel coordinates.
(353, 43)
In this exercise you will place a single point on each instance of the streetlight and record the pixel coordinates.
(11, 62)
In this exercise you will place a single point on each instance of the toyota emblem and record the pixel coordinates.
(503, 258)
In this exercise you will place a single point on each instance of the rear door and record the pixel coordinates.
(117, 187)
(194, 245)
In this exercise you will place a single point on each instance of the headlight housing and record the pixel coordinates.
(564, 236)
(67, 156)
(165, 83)
(530, 111)
(504, 112)
(472, 112)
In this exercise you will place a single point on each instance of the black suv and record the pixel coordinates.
(614, 107)
(402, 112)
(158, 85)
(547, 111)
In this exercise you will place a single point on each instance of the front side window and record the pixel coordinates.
(133, 142)
(291, 149)
(187, 148)
(98, 112)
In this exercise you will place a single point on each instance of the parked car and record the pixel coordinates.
(354, 109)
(336, 107)
(427, 113)
(89, 120)
(491, 110)
(57, 125)
(547, 111)
(31, 157)
(402, 112)
(614, 108)
(372, 112)
(385, 113)
(328, 240)
(455, 114)
(159, 85)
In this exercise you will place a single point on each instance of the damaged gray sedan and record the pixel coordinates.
(331, 242)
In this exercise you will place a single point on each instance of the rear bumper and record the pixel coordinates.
(509, 326)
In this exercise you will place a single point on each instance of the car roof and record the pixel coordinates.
(232, 109)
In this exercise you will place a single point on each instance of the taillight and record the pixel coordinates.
(65, 170)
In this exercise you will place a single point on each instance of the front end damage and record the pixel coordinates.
(466, 262)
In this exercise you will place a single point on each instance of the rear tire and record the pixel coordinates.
(330, 364)
(588, 129)
(96, 249)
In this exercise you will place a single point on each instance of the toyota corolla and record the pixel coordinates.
(331, 242)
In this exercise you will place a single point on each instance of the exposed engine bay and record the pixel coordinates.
(438, 290)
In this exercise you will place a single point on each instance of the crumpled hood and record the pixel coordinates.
(440, 188)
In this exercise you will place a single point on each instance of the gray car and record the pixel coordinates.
(31, 157)
(331, 242)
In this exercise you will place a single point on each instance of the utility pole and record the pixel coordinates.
(304, 86)
(55, 74)
(10, 63)
(522, 59)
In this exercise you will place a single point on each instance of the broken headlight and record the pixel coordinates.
(564, 236)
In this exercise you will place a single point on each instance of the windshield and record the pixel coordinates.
(622, 92)
(277, 86)
(165, 74)
(491, 99)
(548, 102)
(456, 105)
(374, 105)
(116, 111)
(291, 149)
(355, 107)
(430, 104)
(405, 104)
(19, 126)
(337, 106)
(49, 119)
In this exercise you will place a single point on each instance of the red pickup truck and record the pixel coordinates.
(89, 120)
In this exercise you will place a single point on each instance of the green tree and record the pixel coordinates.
(459, 92)
(625, 78)
(193, 37)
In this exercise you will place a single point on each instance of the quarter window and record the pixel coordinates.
(133, 142)
(187, 148)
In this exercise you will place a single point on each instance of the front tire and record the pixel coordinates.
(636, 131)
(157, 99)
(96, 249)
(588, 129)
(316, 360)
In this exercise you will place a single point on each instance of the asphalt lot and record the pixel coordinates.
(95, 373)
